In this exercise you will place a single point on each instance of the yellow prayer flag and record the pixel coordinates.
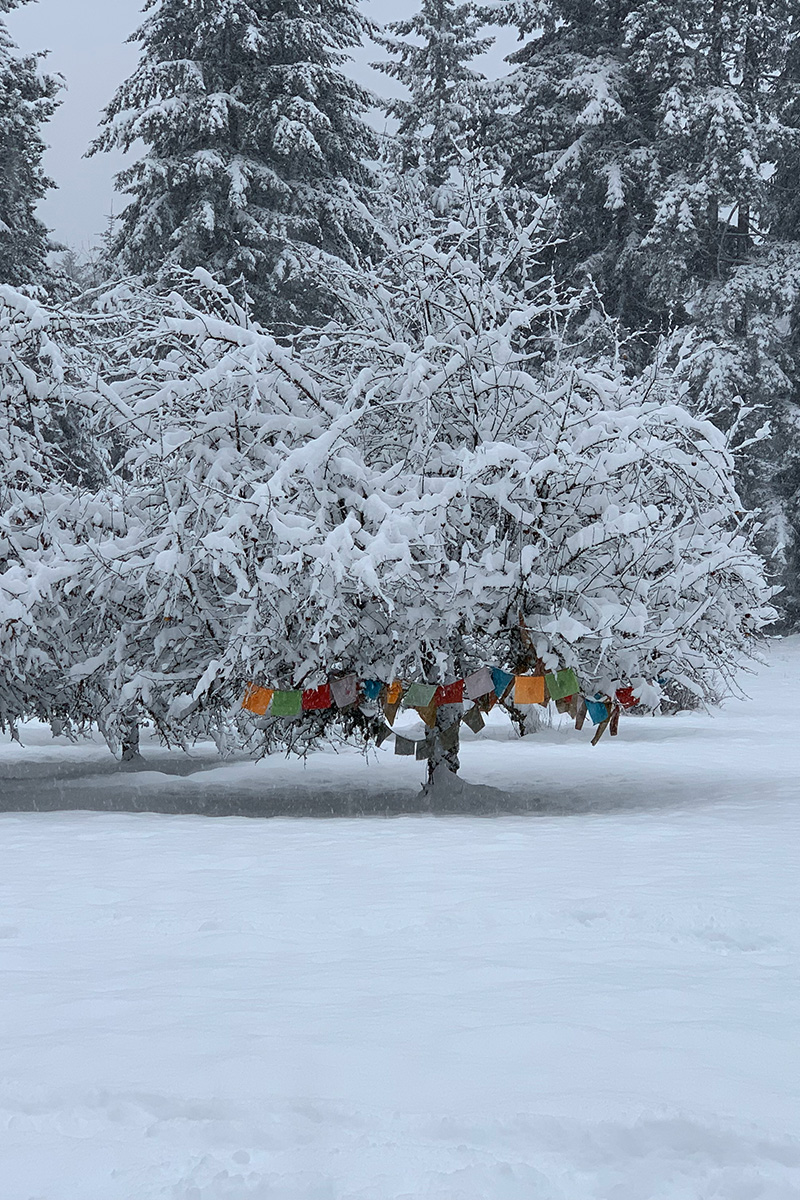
(394, 692)
(529, 689)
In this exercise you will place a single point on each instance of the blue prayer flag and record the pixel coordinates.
(501, 681)
(597, 710)
(372, 688)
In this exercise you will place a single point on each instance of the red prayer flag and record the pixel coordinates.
(450, 693)
(626, 697)
(317, 698)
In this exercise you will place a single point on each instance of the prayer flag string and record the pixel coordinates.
(484, 688)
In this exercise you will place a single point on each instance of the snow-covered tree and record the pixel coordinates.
(27, 101)
(431, 55)
(49, 462)
(206, 408)
(652, 126)
(255, 148)
(79, 272)
(406, 496)
(512, 476)
(665, 136)
(739, 359)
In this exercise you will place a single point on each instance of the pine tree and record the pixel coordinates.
(737, 138)
(256, 147)
(666, 137)
(27, 101)
(443, 104)
(652, 127)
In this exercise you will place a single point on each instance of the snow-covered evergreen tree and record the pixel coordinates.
(662, 134)
(651, 126)
(431, 55)
(27, 101)
(739, 358)
(738, 135)
(255, 147)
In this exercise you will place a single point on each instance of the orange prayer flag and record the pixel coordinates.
(529, 689)
(257, 699)
(394, 692)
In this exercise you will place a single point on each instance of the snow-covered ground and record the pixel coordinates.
(595, 998)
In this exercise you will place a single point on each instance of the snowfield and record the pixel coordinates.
(593, 993)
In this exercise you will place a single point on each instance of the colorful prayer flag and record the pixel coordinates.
(601, 728)
(597, 710)
(565, 683)
(419, 695)
(626, 697)
(501, 682)
(428, 714)
(345, 691)
(257, 700)
(382, 734)
(479, 683)
(317, 698)
(529, 689)
(286, 704)
(394, 692)
(372, 689)
(450, 693)
(449, 736)
(473, 718)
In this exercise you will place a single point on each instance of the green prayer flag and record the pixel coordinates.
(419, 695)
(565, 683)
(286, 704)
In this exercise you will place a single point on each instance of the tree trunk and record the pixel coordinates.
(751, 70)
(444, 745)
(717, 37)
(715, 235)
(130, 741)
(743, 231)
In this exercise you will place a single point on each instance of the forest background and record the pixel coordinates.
(87, 40)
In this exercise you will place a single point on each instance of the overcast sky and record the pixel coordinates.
(87, 40)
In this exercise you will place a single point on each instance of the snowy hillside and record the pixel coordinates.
(597, 999)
